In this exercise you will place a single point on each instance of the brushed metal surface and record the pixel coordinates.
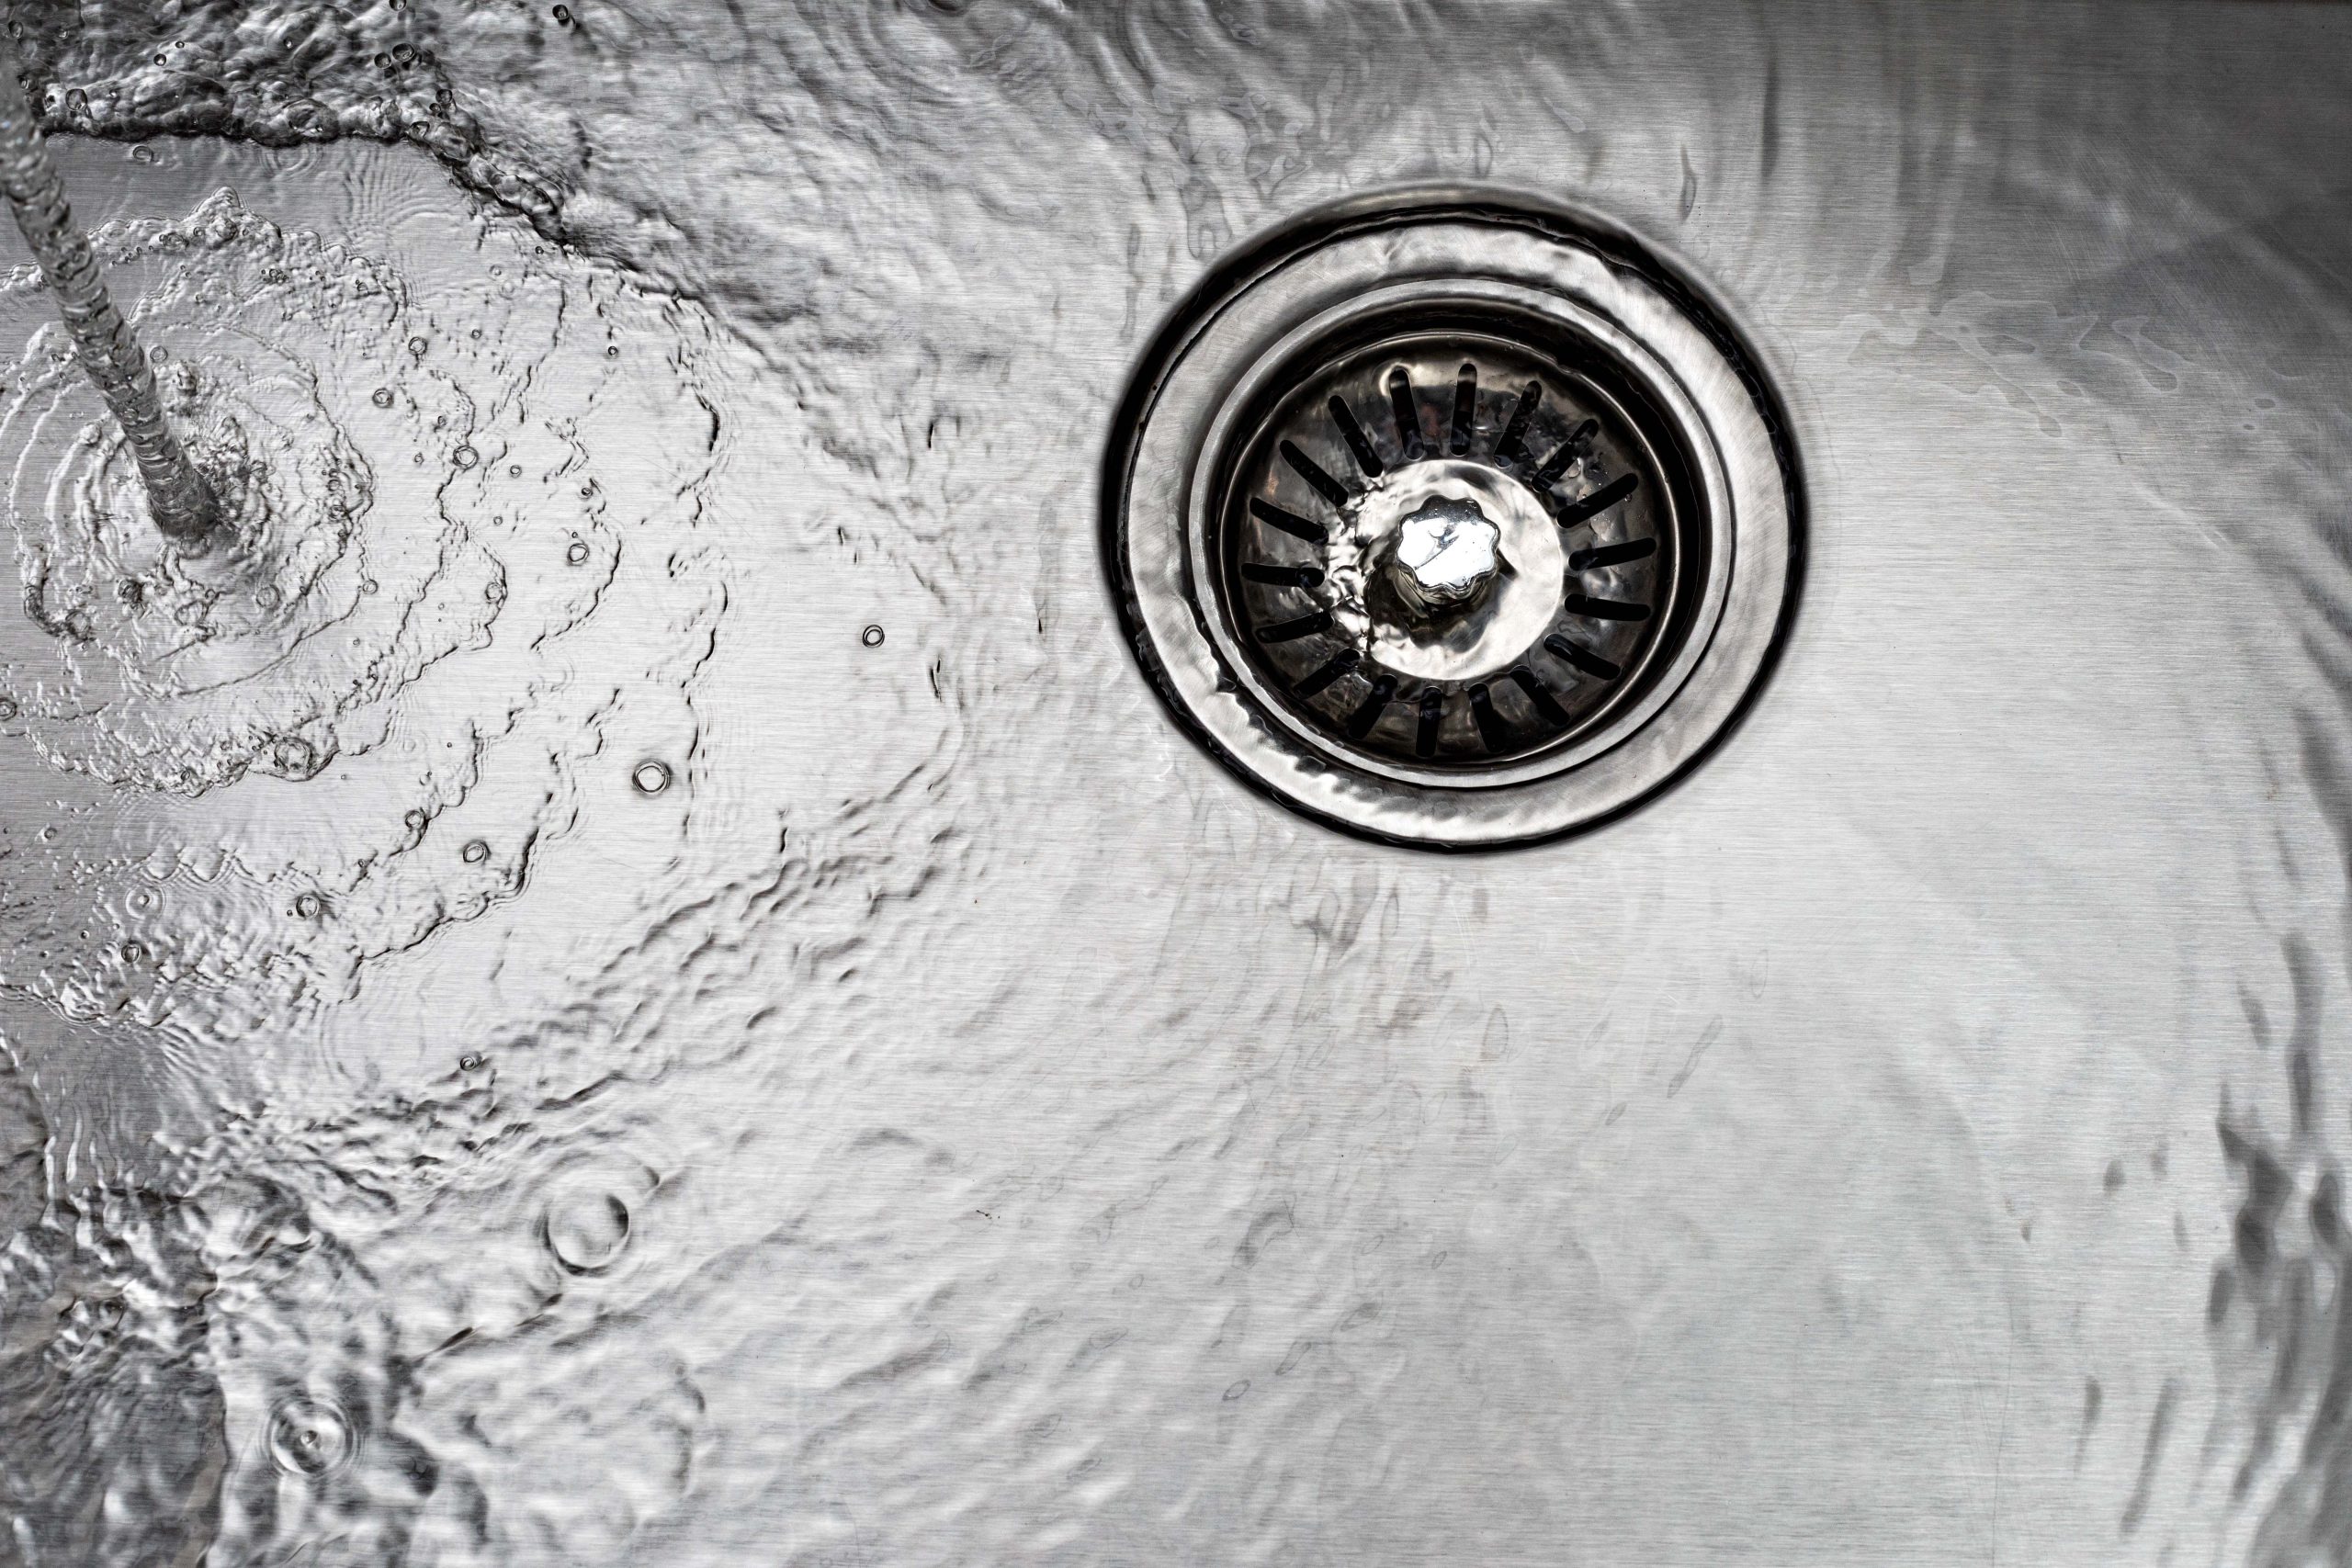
(942, 1117)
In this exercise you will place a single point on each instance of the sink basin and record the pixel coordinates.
(644, 976)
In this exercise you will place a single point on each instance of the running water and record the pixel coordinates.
(180, 502)
(636, 977)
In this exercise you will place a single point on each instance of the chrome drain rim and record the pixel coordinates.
(1586, 470)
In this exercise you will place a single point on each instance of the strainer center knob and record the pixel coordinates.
(1446, 556)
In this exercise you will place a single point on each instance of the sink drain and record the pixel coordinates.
(1450, 525)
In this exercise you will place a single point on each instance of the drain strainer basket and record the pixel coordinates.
(1452, 526)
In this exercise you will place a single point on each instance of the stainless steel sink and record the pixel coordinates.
(653, 981)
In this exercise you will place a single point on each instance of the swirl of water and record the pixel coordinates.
(291, 367)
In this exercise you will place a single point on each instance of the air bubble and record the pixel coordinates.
(416, 820)
(382, 396)
(143, 153)
(471, 1062)
(475, 852)
(310, 1438)
(576, 552)
(7, 709)
(416, 345)
(563, 15)
(650, 776)
(586, 1230)
(309, 905)
(465, 457)
(871, 637)
(294, 756)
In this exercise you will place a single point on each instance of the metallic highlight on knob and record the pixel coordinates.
(1445, 557)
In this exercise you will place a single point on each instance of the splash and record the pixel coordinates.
(427, 522)
(300, 376)
(180, 501)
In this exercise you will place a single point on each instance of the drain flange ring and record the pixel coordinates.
(1451, 527)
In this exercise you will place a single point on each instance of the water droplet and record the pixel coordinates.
(475, 852)
(465, 457)
(650, 776)
(576, 552)
(382, 396)
(587, 1230)
(310, 1438)
(309, 905)
(871, 637)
